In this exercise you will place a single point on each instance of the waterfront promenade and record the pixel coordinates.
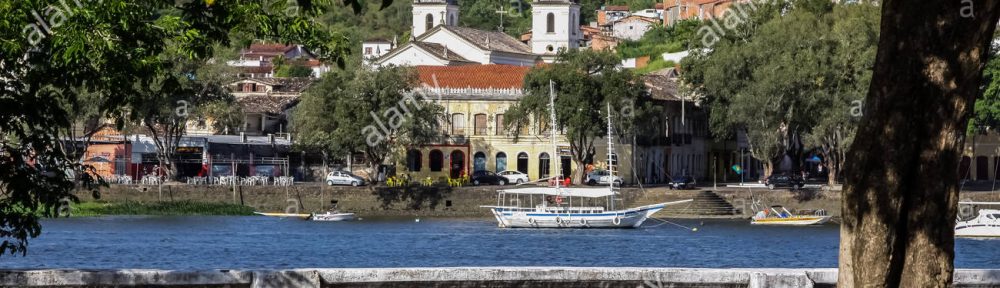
(549, 277)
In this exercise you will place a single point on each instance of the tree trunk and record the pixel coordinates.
(326, 169)
(831, 174)
(577, 176)
(768, 167)
(901, 186)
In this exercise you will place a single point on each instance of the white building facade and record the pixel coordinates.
(555, 26)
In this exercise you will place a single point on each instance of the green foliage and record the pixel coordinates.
(368, 110)
(586, 82)
(481, 14)
(179, 208)
(634, 5)
(176, 94)
(986, 112)
(778, 76)
(657, 63)
(290, 68)
(223, 115)
(588, 10)
(293, 70)
(118, 51)
(661, 40)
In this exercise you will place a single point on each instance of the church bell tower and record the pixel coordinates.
(430, 13)
(555, 25)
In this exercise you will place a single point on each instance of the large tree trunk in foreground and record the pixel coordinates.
(901, 187)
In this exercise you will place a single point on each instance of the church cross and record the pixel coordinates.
(501, 11)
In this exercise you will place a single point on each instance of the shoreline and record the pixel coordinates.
(160, 208)
(421, 202)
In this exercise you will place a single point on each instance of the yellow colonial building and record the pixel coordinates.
(475, 98)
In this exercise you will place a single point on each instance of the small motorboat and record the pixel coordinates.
(778, 215)
(331, 216)
(283, 215)
(986, 223)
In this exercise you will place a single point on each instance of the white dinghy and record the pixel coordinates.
(331, 216)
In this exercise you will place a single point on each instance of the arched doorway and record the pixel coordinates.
(437, 160)
(963, 168)
(566, 165)
(543, 166)
(479, 162)
(414, 159)
(457, 164)
(522, 162)
(501, 162)
(982, 168)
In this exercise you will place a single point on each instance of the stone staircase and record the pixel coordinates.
(708, 203)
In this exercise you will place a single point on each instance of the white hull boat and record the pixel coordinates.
(779, 216)
(331, 216)
(986, 224)
(553, 207)
(793, 221)
(283, 215)
(574, 217)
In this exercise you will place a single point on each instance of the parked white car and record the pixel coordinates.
(515, 177)
(343, 178)
(601, 177)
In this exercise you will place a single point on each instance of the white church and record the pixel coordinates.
(437, 40)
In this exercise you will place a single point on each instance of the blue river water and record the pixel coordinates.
(211, 242)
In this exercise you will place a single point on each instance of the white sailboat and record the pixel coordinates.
(565, 207)
(985, 224)
(332, 215)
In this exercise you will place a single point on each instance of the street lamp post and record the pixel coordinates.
(715, 172)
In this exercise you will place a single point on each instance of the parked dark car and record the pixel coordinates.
(487, 177)
(784, 180)
(682, 182)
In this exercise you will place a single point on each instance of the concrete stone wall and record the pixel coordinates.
(550, 277)
(447, 201)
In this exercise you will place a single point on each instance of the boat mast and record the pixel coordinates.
(611, 166)
(552, 117)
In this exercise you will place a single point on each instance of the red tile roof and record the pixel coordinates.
(260, 47)
(616, 8)
(474, 76)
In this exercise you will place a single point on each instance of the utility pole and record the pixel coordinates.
(743, 168)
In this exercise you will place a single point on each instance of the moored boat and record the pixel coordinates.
(331, 216)
(985, 224)
(556, 209)
(778, 215)
(284, 215)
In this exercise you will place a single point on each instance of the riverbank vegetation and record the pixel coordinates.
(166, 208)
(789, 77)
